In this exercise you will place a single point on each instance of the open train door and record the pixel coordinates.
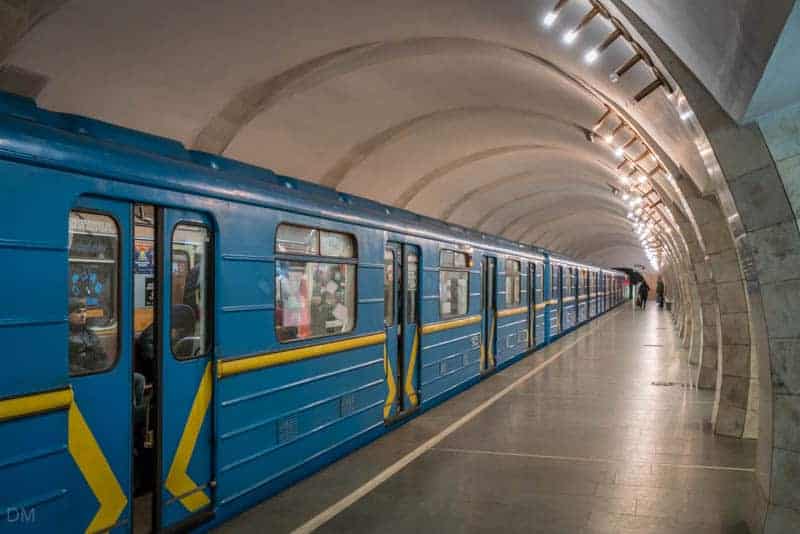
(184, 395)
(401, 320)
(489, 313)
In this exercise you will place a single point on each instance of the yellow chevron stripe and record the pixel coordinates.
(94, 467)
(492, 359)
(35, 404)
(412, 361)
(178, 482)
(230, 367)
(431, 328)
(512, 311)
(387, 367)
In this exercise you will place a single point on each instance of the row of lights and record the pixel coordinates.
(635, 175)
(638, 166)
(593, 54)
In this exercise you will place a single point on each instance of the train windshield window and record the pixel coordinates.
(513, 286)
(92, 293)
(190, 310)
(314, 298)
(453, 284)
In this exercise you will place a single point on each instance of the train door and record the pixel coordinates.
(532, 302)
(556, 297)
(185, 469)
(401, 319)
(488, 310)
(100, 363)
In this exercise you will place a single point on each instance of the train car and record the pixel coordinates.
(190, 335)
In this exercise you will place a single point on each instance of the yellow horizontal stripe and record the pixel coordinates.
(569, 299)
(512, 311)
(227, 368)
(552, 302)
(35, 404)
(447, 325)
(541, 306)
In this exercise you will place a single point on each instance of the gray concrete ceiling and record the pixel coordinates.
(728, 44)
(470, 111)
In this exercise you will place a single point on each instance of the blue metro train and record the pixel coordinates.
(185, 335)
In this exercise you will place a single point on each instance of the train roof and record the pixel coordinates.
(90, 146)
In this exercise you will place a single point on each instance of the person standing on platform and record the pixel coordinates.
(660, 293)
(644, 290)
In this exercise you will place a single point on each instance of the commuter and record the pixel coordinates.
(85, 352)
(644, 290)
(660, 293)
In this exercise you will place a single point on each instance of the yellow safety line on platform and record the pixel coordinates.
(35, 404)
(94, 467)
(178, 482)
(512, 311)
(226, 368)
(431, 328)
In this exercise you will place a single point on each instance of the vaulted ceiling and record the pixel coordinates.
(470, 111)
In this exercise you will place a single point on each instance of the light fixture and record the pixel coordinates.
(686, 115)
(624, 179)
(552, 15)
(642, 179)
(591, 56)
(625, 196)
(569, 37)
(608, 138)
(619, 152)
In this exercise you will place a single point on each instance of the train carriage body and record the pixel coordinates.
(190, 335)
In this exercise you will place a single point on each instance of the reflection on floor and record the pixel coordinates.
(609, 437)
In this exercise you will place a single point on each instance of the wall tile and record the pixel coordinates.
(776, 251)
(785, 363)
(785, 478)
(782, 308)
(787, 423)
(761, 199)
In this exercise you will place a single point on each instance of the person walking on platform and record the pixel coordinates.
(644, 290)
(660, 293)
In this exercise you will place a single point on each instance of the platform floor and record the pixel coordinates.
(585, 436)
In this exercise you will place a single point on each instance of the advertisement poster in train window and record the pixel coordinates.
(143, 260)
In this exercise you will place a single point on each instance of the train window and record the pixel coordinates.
(190, 310)
(412, 262)
(453, 284)
(513, 286)
(297, 240)
(388, 287)
(92, 293)
(314, 298)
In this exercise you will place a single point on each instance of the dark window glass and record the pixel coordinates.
(513, 285)
(453, 284)
(388, 287)
(411, 287)
(190, 306)
(92, 293)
